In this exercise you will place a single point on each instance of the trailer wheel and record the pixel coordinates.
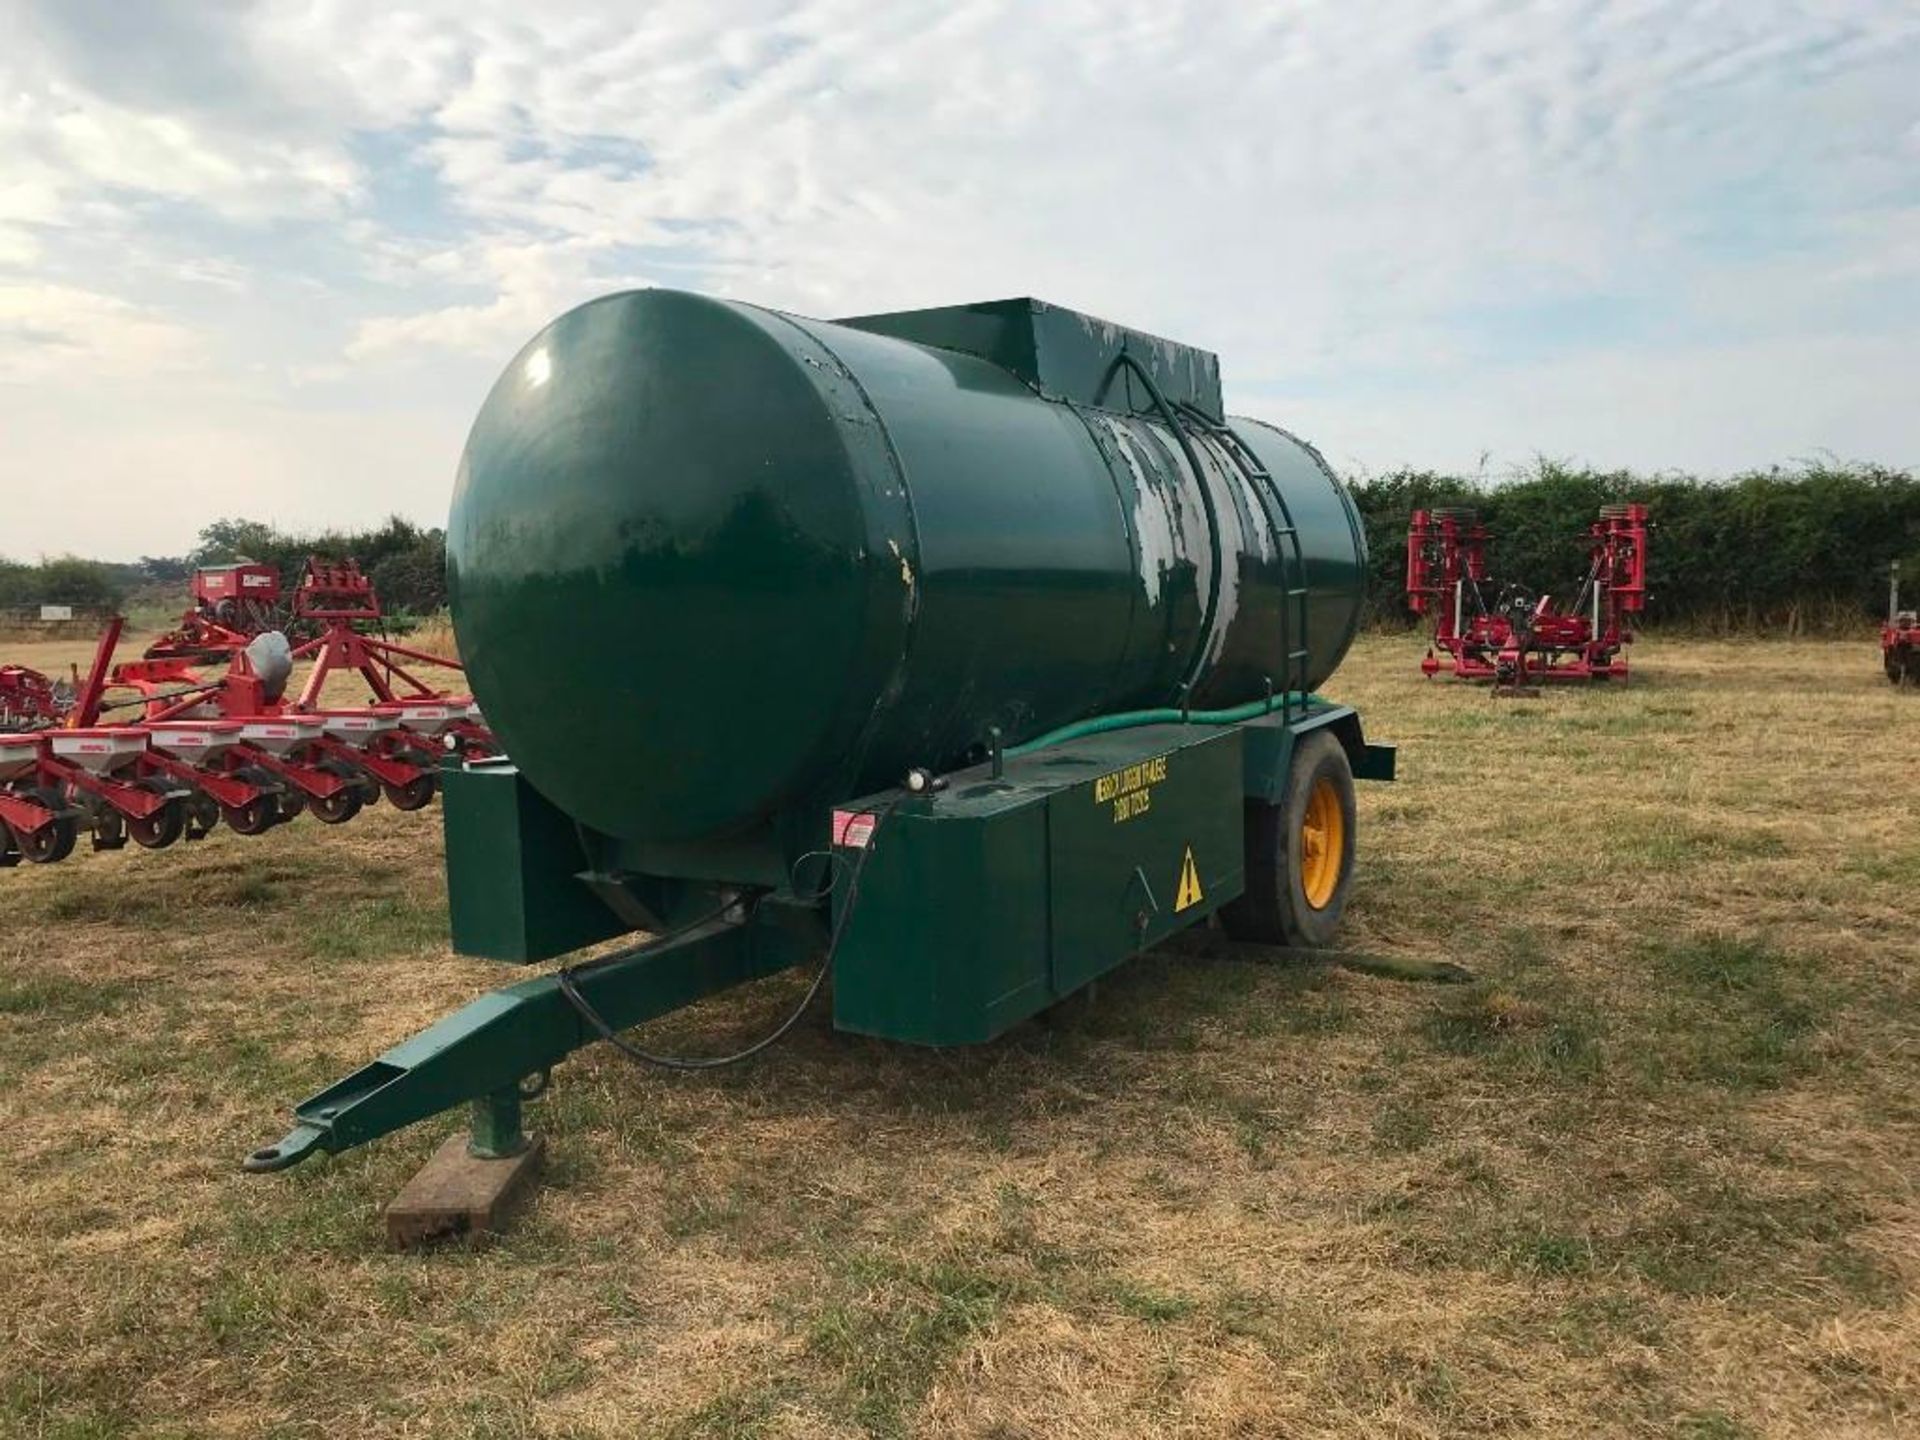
(1299, 853)
(160, 829)
(415, 794)
(9, 847)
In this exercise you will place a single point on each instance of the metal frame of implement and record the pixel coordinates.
(207, 748)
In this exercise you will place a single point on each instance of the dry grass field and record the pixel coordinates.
(1652, 1173)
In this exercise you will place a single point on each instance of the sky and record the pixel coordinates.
(265, 260)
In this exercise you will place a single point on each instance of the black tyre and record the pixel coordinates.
(1299, 853)
(52, 841)
(203, 814)
(256, 817)
(9, 847)
(337, 808)
(160, 829)
(413, 795)
(109, 829)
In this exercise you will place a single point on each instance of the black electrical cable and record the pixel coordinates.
(564, 976)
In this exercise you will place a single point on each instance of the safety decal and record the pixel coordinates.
(1188, 894)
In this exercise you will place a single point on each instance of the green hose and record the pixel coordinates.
(1130, 719)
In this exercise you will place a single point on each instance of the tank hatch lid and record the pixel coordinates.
(1062, 353)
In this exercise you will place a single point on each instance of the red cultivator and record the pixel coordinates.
(1900, 638)
(1520, 638)
(29, 700)
(337, 599)
(224, 745)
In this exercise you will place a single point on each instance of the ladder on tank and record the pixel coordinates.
(1294, 676)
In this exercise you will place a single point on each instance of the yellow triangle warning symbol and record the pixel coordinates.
(1189, 893)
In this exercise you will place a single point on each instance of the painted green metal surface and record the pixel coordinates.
(496, 1129)
(1270, 740)
(978, 906)
(511, 865)
(714, 568)
(1150, 846)
(1062, 354)
(983, 904)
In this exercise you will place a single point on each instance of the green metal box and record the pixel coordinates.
(1061, 353)
(512, 863)
(989, 901)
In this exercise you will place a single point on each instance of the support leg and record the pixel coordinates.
(496, 1132)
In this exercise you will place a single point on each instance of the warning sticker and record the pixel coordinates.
(1188, 894)
(1130, 790)
(853, 827)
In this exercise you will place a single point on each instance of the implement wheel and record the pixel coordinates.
(414, 795)
(256, 817)
(1299, 853)
(160, 829)
(109, 829)
(203, 814)
(52, 841)
(337, 808)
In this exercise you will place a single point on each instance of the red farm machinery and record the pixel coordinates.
(213, 731)
(1510, 634)
(30, 700)
(1900, 638)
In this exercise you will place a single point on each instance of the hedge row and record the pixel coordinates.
(408, 566)
(1795, 551)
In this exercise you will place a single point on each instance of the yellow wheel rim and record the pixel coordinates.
(1323, 844)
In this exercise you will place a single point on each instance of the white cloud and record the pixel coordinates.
(1433, 228)
(531, 282)
(18, 248)
(52, 333)
(1695, 409)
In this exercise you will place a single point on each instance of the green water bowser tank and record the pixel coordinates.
(714, 566)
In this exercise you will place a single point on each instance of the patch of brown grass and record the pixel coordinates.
(1652, 1173)
(435, 637)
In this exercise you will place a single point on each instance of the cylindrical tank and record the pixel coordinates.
(710, 563)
